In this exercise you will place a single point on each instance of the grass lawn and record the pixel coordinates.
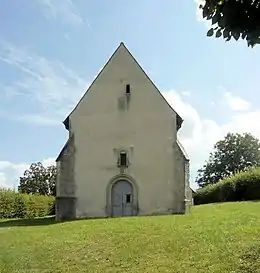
(213, 238)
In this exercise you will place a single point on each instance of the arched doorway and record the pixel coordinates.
(122, 198)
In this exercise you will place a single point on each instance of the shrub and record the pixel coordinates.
(7, 204)
(17, 205)
(241, 186)
(20, 206)
(52, 206)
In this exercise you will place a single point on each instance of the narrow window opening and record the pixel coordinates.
(123, 159)
(127, 89)
(128, 198)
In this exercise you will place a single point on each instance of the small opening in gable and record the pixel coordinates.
(127, 89)
(123, 159)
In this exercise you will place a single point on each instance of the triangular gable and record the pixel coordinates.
(179, 119)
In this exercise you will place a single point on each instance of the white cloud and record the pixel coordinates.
(50, 85)
(62, 10)
(236, 103)
(48, 161)
(17, 167)
(198, 134)
(11, 172)
(186, 93)
(3, 183)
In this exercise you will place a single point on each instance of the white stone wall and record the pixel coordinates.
(143, 124)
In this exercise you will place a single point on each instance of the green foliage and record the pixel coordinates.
(39, 180)
(234, 19)
(234, 153)
(17, 205)
(20, 205)
(241, 186)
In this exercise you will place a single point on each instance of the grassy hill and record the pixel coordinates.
(213, 238)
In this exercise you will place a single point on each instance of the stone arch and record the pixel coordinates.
(110, 185)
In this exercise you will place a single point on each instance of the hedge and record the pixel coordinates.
(240, 187)
(17, 205)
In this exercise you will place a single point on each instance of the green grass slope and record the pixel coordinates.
(213, 238)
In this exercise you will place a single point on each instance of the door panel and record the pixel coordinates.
(122, 198)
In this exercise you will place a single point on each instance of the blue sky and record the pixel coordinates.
(51, 50)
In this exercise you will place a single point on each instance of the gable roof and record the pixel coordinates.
(122, 45)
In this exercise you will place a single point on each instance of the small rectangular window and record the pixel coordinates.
(127, 89)
(128, 198)
(123, 159)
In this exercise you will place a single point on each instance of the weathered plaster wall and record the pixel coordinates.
(66, 187)
(106, 121)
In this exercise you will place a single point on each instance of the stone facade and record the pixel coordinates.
(107, 121)
(182, 172)
(66, 187)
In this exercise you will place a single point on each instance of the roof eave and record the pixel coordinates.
(66, 123)
(179, 122)
(62, 150)
(183, 150)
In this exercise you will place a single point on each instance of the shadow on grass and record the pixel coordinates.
(250, 260)
(38, 221)
(27, 222)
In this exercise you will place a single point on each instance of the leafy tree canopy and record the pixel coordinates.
(38, 179)
(233, 19)
(234, 153)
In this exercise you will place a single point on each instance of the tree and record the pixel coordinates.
(233, 19)
(234, 153)
(38, 179)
